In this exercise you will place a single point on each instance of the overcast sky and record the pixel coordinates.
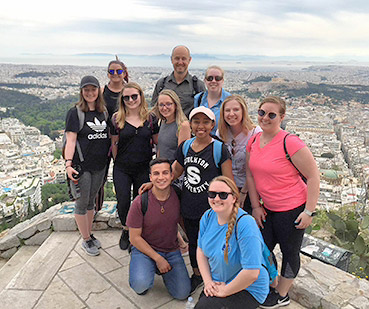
(328, 28)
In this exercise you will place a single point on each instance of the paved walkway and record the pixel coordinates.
(61, 275)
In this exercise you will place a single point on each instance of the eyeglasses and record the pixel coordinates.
(222, 195)
(127, 97)
(262, 113)
(167, 105)
(119, 71)
(217, 78)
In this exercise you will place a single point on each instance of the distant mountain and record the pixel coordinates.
(222, 57)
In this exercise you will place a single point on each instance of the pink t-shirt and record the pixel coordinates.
(277, 181)
(158, 229)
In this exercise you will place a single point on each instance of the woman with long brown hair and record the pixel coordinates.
(86, 155)
(229, 252)
(136, 129)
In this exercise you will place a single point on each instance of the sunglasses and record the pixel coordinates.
(262, 113)
(119, 71)
(233, 144)
(217, 78)
(127, 97)
(222, 195)
(167, 105)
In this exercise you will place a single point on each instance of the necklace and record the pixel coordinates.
(162, 203)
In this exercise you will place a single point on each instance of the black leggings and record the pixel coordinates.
(280, 228)
(192, 227)
(122, 183)
(240, 300)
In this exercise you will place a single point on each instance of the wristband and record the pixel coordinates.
(309, 213)
(66, 160)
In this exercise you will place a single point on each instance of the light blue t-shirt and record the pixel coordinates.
(215, 108)
(244, 253)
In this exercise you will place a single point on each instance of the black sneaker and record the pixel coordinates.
(196, 281)
(274, 300)
(124, 240)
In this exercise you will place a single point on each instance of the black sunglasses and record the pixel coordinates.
(217, 78)
(119, 71)
(262, 113)
(127, 97)
(222, 195)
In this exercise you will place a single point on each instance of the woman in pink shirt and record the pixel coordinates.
(288, 202)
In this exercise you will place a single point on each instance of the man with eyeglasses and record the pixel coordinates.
(180, 81)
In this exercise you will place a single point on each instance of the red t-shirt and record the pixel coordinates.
(158, 229)
(277, 181)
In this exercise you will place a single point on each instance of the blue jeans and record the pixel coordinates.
(142, 271)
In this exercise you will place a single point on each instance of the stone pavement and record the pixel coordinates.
(60, 275)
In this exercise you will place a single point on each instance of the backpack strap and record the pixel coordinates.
(162, 83)
(144, 202)
(288, 157)
(195, 85)
(217, 152)
(186, 145)
(197, 103)
(81, 119)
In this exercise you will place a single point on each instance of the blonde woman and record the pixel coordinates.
(214, 96)
(86, 166)
(135, 131)
(229, 252)
(235, 128)
(174, 126)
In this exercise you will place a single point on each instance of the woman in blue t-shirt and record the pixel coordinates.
(229, 253)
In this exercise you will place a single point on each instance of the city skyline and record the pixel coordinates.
(333, 30)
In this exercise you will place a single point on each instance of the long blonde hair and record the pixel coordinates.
(180, 117)
(247, 124)
(232, 220)
(121, 114)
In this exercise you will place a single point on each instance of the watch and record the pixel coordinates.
(310, 213)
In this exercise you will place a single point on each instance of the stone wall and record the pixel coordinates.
(34, 231)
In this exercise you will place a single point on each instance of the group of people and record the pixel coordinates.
(214, 168)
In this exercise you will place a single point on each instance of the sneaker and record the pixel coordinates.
(124, 240)
(196, 281)
(274, 300)
(90, 247)
(97, 242)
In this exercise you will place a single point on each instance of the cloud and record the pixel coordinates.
(310, 28)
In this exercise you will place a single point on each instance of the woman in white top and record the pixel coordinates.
(235, 129)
